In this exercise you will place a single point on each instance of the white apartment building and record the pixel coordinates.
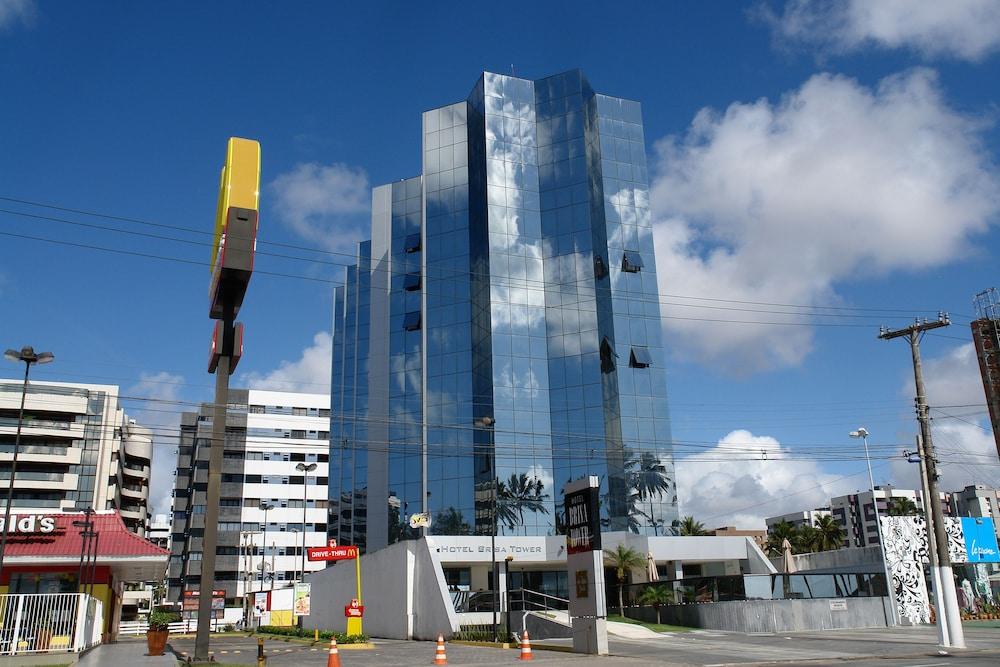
(856, 512)
(276, 457)
(977, 500)
(159, 531)
(78, 449)
(803, 518)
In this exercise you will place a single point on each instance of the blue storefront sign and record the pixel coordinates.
(980, 540)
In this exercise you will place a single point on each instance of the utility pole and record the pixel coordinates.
(947, 598)
(932, 557)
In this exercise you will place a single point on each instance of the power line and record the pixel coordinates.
(839, 311)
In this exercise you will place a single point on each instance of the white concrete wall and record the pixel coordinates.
(397, 582)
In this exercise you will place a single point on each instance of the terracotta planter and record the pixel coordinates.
(156, 641)
(44, 638)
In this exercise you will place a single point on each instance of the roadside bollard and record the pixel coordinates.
(261, 659)
(316, 635)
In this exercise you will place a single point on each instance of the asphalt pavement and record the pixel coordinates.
(898, 647)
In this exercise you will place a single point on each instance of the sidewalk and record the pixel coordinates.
(722, 648)
(125, 654)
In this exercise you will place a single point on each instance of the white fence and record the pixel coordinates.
(178, 628)
(40, 623)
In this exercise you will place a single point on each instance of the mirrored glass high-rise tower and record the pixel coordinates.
(500, 332)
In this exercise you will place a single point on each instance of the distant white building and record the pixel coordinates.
(803, 518)
(272, 438)
(78, 449)
(977, 500)
(159, 531)
(856, 512)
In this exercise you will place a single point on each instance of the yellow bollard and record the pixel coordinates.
(316, 635)
(261, 660)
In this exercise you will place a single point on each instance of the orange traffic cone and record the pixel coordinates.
(439, 656)
(526, 648)
(333, 660)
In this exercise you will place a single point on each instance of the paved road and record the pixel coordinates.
(387, 653)
(900, 647)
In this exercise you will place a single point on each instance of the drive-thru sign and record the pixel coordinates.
(354, 610)
(332, 553)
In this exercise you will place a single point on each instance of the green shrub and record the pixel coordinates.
(159, 619)
(282, 631)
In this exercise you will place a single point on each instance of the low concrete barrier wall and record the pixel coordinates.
(404, 594)
(773, 615)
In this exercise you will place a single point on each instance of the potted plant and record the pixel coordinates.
(159, 629)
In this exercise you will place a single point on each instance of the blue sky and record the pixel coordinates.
(831, 154)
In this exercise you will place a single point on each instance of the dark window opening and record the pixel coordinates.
(411, 283)
(600, 268)
(412, 242)
(608, 356)
(411, 321)
(640, 358)
(631, 262)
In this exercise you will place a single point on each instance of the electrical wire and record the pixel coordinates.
(521, 283)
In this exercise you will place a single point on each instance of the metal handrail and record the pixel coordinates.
(529, 597)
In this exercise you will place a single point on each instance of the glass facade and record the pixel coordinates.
(500, 334)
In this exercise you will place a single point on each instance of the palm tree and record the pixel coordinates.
(655, 597)
(624, 559)
(829, 535)
(902, 507)
(806, 539)
(692, 528)
(518, 495)
(645, 479)
(451, 522)
(778, 533)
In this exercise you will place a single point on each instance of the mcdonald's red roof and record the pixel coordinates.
(38, 540)
(51, 538)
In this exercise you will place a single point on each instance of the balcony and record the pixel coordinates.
(135, 469)
(134, 491)
(134, 512)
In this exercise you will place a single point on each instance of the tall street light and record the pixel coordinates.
(263, 544)
(862, 433)
(305, 469)
(28, 356)
(489, 423)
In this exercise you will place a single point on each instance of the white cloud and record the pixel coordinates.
(963, 29)
(746, 478)
(16, 11)
(323, 203)
(310, 373)
(779, 202)
(953, 379)
(963, 440)
(164, 420)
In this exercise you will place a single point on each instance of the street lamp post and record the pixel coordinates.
(862, 433)
(506, 588)
(490, 424)
(305, 469)
(85, 527)
(263, 543)
(28, 355)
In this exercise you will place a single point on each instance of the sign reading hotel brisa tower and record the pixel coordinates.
(585, 565)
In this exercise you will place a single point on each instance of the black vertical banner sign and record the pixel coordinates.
(583, 529)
